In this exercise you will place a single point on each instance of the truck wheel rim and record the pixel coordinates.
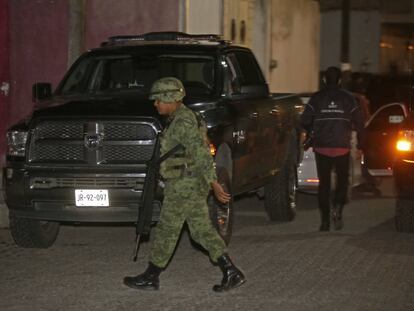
(223, 214)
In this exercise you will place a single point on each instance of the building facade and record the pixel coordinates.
(381, 35)
(40, 39)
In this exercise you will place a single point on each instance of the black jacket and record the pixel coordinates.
(330, 116)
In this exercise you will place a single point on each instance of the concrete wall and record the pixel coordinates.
(38, 49)
(261, 35)
(107, 18)
(4, 74)
(203, 16)
(365, 30)
(255, 15)
(364, 42)
(283, 34)
(295, 31)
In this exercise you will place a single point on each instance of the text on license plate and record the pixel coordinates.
(91, 197)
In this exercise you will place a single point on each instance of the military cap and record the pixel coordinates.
(167, 90)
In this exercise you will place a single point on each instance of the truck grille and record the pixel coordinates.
(135, 183)
(99, 142)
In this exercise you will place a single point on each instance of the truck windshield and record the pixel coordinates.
(136, 73)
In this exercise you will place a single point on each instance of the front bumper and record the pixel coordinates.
(50, 195)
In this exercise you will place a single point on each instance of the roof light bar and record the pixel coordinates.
(162, 36)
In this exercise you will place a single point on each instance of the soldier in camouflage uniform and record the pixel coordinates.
(189, 176)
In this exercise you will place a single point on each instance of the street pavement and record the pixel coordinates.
(289, 266)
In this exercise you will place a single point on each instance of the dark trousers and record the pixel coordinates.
(325, 165)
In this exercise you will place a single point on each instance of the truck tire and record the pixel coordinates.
(222, 215)
(280, 191)
(404, 215)
(32, 233)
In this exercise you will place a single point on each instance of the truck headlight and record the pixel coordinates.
(405, 141)
(16, 143)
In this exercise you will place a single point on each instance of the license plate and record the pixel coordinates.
(91, 197)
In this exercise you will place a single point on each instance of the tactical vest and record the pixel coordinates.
(180, 165)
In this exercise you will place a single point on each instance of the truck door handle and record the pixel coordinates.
(275, 112)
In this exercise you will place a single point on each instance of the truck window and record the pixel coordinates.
(250, 73)
(77, 82)
(116, 73)
(231, 84)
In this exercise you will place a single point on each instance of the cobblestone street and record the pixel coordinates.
(292, 266)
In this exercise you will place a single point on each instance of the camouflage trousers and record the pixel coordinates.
(184, 201)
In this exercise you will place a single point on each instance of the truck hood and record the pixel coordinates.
(104, 106)
(92, 105)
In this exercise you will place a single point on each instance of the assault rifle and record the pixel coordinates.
(143, 226)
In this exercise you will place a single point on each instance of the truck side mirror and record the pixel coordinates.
(41, 90)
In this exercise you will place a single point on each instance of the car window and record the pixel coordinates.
(387, 118)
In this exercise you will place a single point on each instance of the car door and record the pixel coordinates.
(381, 133)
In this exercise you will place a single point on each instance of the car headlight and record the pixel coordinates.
(16, 142)
(405, 141)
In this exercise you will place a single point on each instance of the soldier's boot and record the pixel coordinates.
(337, 216)
(149, 280)
(232, 276)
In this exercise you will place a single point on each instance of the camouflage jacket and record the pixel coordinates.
(195, 160)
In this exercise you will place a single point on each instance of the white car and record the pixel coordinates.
(308, 180)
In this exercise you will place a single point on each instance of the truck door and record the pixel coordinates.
(267, 114)
(271, 141)
(246, 126)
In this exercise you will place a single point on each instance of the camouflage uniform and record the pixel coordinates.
(187, 175)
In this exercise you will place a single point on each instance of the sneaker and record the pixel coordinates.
(324, 226)
(337, 217)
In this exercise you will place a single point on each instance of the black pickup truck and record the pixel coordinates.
(83, 153)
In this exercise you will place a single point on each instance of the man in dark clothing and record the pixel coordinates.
(329, 118)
